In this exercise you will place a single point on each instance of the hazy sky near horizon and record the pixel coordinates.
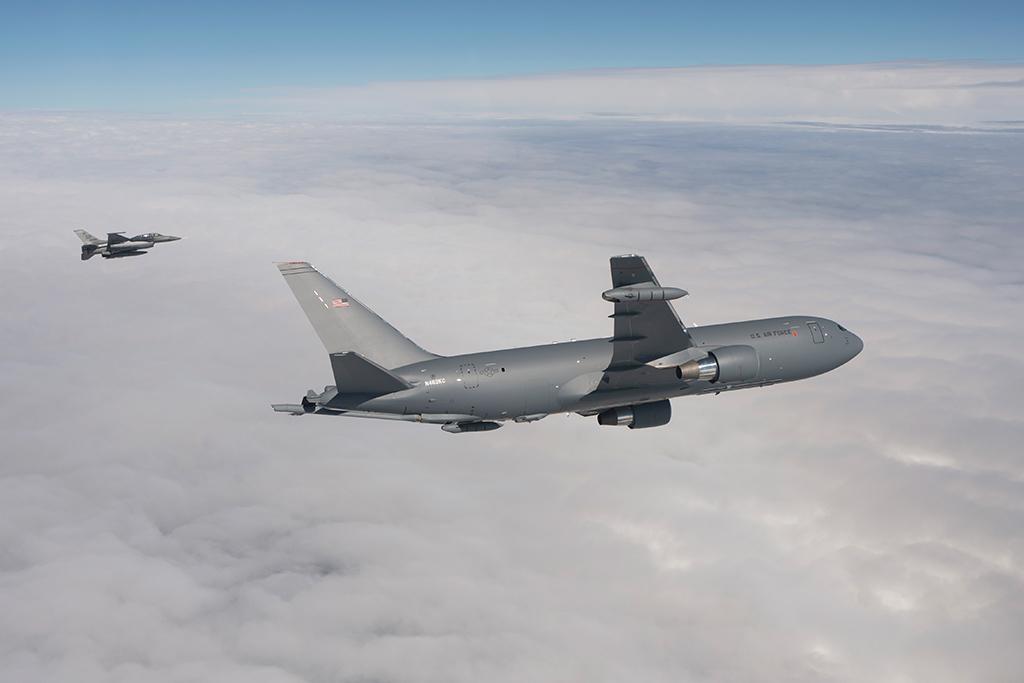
(192, 56)
(159, 523)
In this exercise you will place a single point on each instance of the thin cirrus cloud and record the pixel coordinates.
(159, 523)
(954, 93)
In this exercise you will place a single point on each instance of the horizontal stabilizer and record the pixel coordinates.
(354, 374)
(290, 408)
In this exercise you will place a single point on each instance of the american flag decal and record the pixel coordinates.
(339, 303)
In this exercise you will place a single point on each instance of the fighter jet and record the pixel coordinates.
(624, 380)
(117, 245)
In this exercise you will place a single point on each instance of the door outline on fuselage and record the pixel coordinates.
(469, 376)
(816, 335)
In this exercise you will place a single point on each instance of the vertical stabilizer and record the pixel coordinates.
(344, 324)
(87, 238)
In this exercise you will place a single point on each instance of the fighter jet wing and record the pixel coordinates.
(644, 330)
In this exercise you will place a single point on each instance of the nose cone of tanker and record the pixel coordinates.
(857, 343)
(853, 344)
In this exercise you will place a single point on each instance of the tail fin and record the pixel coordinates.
(86, 237)
(344, 324)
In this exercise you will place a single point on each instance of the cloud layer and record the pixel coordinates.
(937, 93)
(159, 523)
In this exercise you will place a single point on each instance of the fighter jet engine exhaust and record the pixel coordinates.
(724, 364)
(639, 416)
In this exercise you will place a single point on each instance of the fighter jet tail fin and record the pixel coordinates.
(354, 374)
(87, 238)
(346, 325)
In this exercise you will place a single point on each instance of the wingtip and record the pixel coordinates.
(289, 265)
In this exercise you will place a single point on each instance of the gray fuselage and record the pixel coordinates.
(530, 382)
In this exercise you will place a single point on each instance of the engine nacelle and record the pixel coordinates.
(639, 416)
(725, 365)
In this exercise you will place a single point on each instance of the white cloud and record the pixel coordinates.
(936, 93)
(158, 522)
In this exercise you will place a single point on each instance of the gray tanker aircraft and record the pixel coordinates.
(626, 379)
(117, 245)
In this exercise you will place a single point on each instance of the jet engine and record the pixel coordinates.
(639, 416)
(726, 364)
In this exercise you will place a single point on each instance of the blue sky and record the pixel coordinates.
(154, 55)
